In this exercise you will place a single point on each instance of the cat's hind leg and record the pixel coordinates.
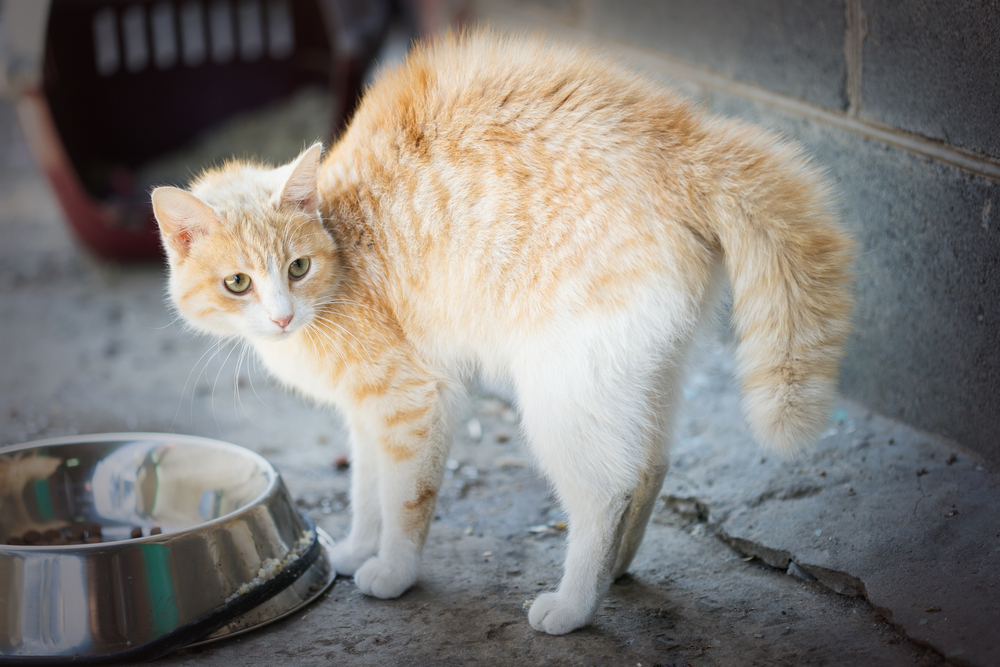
(643, 500)
(597, 524)
(597, 433)
(659, 437)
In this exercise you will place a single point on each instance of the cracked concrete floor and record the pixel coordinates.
(904, 527)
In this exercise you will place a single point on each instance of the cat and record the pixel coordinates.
(534, 212)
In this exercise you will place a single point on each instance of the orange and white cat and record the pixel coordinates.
(537, 213)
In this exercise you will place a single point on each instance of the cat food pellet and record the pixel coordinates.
(342, 462)
(76, 533)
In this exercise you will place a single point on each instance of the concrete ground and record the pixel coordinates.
(880, 546)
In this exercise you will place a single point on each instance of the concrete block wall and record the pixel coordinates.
(900, 103)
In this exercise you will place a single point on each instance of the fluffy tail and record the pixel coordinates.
(788, 261)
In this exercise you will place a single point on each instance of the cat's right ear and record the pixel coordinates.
(182, 217)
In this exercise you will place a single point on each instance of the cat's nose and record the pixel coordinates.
(282, 321)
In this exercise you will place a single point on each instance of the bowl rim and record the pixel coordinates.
(274, 479)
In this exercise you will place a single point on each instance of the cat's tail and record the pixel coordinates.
(789, 262)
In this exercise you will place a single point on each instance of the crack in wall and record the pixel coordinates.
(854, 38)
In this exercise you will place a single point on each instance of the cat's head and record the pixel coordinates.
(247, 249)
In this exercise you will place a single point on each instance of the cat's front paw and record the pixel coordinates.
(549, 614)
(346, 559)
(382, 580)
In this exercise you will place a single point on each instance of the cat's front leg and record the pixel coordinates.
(406, 432)
(362, 541)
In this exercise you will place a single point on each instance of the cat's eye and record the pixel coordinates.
(298, 268)
(238, 283)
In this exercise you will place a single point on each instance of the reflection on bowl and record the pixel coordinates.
(224, 516)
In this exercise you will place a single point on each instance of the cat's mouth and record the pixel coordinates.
(281, 335)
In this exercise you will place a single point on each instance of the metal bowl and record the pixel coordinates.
(232, 551)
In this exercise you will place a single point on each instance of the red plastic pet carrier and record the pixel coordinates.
(115, 85)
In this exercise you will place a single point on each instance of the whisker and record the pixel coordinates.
(215, 384)
(237, 402)
(253, 366)
(309, 332)
(214, 349)
(376, 330)
(244, 352)
(347, 331)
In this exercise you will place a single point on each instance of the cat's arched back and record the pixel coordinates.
(541, 213)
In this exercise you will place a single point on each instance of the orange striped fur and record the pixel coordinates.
(541, 214)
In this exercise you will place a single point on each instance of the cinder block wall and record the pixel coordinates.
(900, 102)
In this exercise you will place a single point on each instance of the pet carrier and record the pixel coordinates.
(111, 93)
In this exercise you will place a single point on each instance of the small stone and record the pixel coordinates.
(511, 462)
(794, 570)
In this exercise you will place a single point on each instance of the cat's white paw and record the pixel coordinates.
(383, 580)
(346, 559)
(549, 614)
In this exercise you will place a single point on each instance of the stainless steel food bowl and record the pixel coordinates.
(228, 552)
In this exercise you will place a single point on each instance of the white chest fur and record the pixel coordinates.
(296, 367)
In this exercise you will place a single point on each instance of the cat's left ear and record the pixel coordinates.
(301, 190)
